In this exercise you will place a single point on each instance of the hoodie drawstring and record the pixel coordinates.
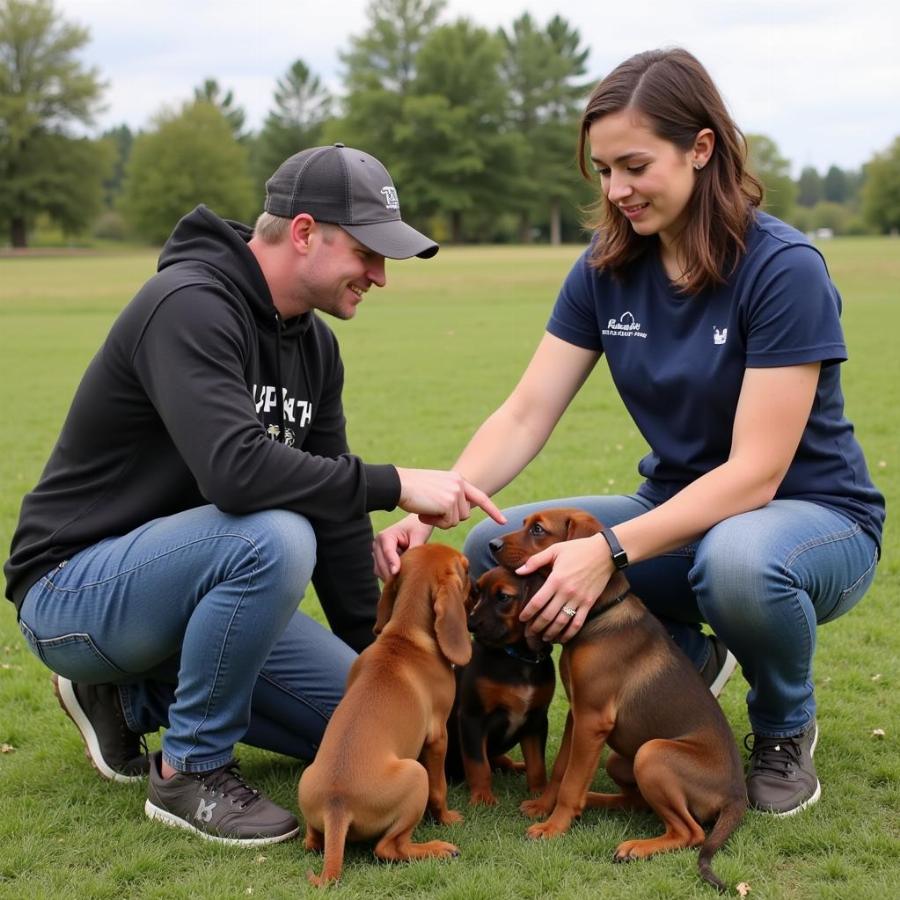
(279, 387)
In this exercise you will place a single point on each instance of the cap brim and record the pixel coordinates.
(395, 240)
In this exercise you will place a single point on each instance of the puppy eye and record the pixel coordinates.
(505, 598)
(537, 529)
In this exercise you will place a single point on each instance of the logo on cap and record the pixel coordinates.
(391, 200)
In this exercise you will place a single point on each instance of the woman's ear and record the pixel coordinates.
(703, 147)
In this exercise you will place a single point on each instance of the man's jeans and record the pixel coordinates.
(195, 617)
(762, 580)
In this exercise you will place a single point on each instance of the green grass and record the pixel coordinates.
(426, 360)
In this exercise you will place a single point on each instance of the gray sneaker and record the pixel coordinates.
(782, 778)
(719, 666)
(115, 751)
(218, 806)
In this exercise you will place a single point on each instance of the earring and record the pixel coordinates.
(698, 166)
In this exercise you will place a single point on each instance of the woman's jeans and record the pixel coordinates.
(195, 617)
(762, 580)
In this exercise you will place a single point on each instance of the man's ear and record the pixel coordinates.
(302, 228)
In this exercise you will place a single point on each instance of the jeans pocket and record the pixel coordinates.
(848, 598)
(74, 656)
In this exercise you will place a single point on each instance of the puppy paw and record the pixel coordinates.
(534, 809)
(450, 817)
(543, 831)
(482, 798)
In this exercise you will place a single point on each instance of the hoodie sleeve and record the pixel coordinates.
(343, 577)
(190, 359)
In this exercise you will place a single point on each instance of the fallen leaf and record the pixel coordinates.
(743, 889)
(878, 733)
(7, 748)
(882, 464)
(876, 677)
(261, 859)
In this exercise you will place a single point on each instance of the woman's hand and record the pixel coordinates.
(579, 573)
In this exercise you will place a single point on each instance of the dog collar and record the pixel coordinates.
(599, 610)
(533, 658)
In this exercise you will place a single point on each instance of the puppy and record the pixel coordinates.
(365, 782)
(629, 686)
(505, 691)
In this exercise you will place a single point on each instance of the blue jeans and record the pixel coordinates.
(195, 617)
(762, 580)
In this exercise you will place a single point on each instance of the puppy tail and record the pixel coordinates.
(729, 818)
(336, 824)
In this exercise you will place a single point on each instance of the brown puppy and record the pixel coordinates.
(505, 691)
(631, 687)
(365, 782)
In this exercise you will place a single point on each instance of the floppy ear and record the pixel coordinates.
(450, 623)
(472, 596)
(581, 525)
(386, 603)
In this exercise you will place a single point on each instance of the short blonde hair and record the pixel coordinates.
(271, 229)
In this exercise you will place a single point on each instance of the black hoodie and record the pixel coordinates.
(201, 394)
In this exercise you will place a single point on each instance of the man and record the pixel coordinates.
(201, 479)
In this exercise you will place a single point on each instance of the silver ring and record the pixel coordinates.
(569, 611)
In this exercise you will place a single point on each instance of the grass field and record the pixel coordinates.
(426, 360)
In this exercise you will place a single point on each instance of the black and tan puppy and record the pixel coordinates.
(505, 690)
(630, 687)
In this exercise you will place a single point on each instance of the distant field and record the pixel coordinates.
(427, 358)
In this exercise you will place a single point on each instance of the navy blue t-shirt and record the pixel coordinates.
(678, 363)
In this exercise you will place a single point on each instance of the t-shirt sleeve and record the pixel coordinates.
(793, 314)
(574, 316)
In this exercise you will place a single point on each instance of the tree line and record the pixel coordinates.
(478, 128)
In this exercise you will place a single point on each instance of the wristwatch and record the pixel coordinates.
(619, 556)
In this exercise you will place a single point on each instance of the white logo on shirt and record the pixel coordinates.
(625, 327)
(719, 337)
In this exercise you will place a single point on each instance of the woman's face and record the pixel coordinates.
(646, 178)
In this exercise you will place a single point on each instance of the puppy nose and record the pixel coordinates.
(496, 545)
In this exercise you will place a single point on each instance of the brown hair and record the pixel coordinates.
(675, 93)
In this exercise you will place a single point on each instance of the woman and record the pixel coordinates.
(721, 329)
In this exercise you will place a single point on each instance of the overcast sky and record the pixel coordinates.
(820, 77)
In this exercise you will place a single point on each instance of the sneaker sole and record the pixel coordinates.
(65, 694)
(166, 818)
(725, 673)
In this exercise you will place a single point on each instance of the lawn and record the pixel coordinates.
(427, 359)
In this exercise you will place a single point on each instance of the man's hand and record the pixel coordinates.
(396, 540)
(443, 499)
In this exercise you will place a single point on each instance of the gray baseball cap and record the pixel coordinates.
(346, 187)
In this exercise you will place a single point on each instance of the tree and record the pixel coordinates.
(809, 187)
(190, 157)
(302, 106)
(120, 140)
(380, 69)
(44, 91)
(773, 170)
(212, 92)
(454, 154)
(835, 187)
(541, 69)
(881, 190)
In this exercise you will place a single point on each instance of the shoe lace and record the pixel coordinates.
(776, 755)
(229, 782)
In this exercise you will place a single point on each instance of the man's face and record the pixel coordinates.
(339, 271)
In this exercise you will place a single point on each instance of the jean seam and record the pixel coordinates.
(212, 695)
(813, 543)
(147, 562)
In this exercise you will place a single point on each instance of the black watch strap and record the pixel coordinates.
(619, 556)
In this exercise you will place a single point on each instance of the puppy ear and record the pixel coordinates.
(581, 525)
(472, 595)
(450, 623)
(385, 607)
